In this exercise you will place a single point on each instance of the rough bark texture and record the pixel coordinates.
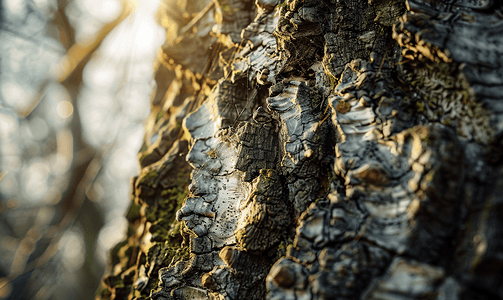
(338, 150)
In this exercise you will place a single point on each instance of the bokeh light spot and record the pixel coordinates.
(13, 203)
(36, 178)
(64, 109)
(112, 233)
(72, 248)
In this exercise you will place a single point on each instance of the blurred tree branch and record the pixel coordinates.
(86, 161)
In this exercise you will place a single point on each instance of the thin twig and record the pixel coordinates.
(197, 18)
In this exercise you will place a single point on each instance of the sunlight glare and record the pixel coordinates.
(101, 74)
(145, 7)
(105, 11)
(149, 34)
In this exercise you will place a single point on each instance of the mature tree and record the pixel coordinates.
(327, 149)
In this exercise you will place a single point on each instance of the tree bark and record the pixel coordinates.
(321, 150)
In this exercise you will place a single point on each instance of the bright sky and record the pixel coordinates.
(115, 102)
(112, 104)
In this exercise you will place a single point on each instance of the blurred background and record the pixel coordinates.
(76, 79)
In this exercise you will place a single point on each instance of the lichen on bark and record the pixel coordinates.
(338, 150)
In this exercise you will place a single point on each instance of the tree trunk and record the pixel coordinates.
(321, 150)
